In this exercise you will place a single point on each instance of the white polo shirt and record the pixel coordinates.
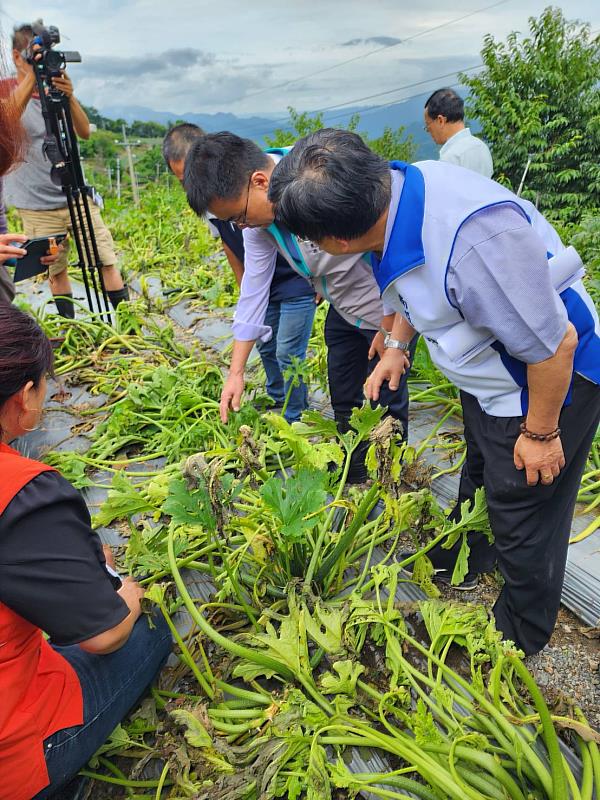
(468, 151)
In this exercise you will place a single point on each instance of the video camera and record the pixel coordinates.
(52, 62)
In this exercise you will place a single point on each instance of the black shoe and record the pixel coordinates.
(444, 576)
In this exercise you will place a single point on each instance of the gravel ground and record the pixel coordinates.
(567, 669)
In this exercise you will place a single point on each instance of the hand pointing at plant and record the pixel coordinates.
(231, 396)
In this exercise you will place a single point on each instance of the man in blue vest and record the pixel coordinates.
(229, 177)
(500, 303)
(291, 303)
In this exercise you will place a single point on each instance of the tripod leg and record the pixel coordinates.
(78, 245)
(92, 258)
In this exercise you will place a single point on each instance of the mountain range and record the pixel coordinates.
(373, 120)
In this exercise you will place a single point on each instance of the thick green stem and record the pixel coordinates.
(230, 646)
(367, 504)
(186, 655)
(560, 790)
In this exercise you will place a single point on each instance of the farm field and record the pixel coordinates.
(314, 656)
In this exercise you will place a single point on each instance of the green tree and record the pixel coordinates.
(301, 123)
(101, 144)
(538, 97)
(147, 130)
(392, 144)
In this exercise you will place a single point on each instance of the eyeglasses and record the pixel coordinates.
(427, 126)
(307, 242)
(241, 219)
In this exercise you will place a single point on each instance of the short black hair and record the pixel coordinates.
(447, 103)
(179, 139)
(219, 166)
(331, 184)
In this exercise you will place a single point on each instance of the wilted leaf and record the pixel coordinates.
(348, 673)
(195, 733)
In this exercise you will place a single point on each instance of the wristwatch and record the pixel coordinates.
(394, 344)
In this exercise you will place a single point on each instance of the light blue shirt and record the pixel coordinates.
(468, 151)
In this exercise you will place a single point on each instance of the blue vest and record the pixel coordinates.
(436, 199)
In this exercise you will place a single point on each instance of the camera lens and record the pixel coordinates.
(53, 60)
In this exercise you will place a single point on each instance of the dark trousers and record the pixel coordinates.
(111, 686)
(531, 524)
(348, 367)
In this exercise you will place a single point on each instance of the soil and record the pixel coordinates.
(568, 668)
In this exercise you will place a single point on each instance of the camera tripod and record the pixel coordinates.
(60, 147)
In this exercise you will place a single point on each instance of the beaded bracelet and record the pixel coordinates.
(539, 437)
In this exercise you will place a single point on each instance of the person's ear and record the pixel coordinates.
(25, 397)
(343, 244)
(441, 119)
(260, 181)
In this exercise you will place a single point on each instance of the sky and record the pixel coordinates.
(260, 57)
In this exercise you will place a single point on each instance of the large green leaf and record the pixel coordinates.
(294, 499)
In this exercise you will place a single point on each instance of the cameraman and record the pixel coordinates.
(41, 204)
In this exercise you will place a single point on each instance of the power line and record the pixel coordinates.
(376, 50)
(371, 96)
(380, 94)
(392, 91)
(370, 109)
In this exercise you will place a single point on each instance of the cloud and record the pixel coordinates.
(383, 41)
(149, 64)
(174, 80)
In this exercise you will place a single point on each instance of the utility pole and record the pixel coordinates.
(525, 171)
(109, 173)
(118, 178)
(127, 145)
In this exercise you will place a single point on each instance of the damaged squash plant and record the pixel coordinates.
(302, 528)
(315, 707)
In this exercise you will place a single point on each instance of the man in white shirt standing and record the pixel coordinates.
(445, 122)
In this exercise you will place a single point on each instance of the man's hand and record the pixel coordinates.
(377, 348)
(392, 367)
(7, 250)
(231, 396)
(542, 461)
(63, 84)
(50, 258)
(132, 593)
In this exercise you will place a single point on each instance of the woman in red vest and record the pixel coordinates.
(59, 698)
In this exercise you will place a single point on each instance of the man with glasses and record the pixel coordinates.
(444, 117)
(291, 302)
(229, 177)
